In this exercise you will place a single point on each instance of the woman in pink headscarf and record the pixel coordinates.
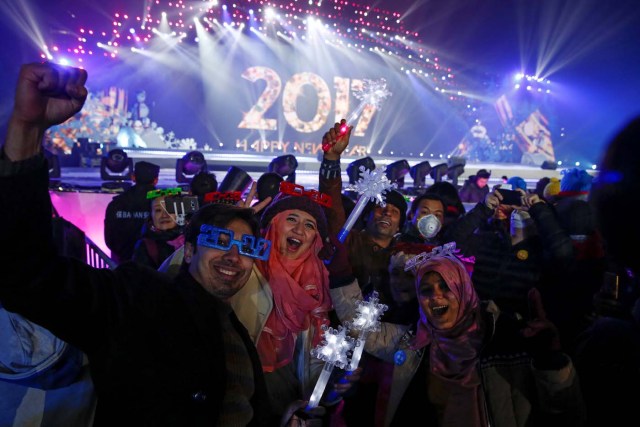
(465, 364)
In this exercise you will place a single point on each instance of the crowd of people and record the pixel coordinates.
(516, 312)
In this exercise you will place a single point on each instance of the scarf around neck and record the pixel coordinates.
(301, 299)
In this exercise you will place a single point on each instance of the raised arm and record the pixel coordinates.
(46, 94)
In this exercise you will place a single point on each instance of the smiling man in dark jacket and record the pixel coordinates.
(161, 352)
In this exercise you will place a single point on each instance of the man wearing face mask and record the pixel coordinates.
(425, 219)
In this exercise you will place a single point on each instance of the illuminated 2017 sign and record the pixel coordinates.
(255, 117)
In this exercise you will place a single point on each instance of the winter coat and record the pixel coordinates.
(155, 345)
(516, 393)
(123, 221)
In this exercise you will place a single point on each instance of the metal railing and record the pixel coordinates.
(96, 256)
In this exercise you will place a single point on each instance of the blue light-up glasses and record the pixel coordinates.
(222, 238)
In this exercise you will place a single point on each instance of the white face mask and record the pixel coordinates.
(429, 226)
(520, 219)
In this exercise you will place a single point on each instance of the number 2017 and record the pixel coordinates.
(254, 118)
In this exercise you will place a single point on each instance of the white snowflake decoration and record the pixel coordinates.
(372, 184)
(368, 314)
(373, 92)
(335, 346)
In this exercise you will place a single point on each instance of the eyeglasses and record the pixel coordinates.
(222, 238)
(292, 189)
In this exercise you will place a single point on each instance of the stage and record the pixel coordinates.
(80, 198)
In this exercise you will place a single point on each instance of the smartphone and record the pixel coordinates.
(510, 197)
(182, 205)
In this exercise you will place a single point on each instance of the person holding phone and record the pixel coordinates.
(510, 259)
(161, 234)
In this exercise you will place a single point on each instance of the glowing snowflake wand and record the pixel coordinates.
(371, 186)
(333, 349)
(367, 320)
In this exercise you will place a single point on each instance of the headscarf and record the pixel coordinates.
(301, 299)
(454, 353)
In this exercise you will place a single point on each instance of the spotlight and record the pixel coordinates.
(284, 166)
(396, 171)
(438, 171)
(189, 166)
(418, 172)
(456, 168)
(236, 179)
(116, 166)
(268, 185)
(353, 170)
(549, 165)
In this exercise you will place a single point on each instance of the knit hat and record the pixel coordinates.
(284, 202)
(552, 188)
(146, 172)
(483, 173)
(575, 181)
(517, 182)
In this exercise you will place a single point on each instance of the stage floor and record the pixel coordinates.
(306, 172)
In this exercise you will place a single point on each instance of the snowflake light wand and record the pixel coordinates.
(333, 350)
(367, 320)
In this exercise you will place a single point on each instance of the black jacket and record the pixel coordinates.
(123, 221)
(155, 346)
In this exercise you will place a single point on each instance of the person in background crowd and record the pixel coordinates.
(465, 365)
(161, 235)
(475, 187)
(202, 183)
(127, 212)
(540, 185)
(516, 182)
(575, 183)
(454, 208)
(425, 219)
(161, 352)
(551, 190)
(510, 261)
(608, 352)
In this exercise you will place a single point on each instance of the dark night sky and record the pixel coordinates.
(596, 59)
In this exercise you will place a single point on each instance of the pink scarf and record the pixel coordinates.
(454, 353)
(301, 299)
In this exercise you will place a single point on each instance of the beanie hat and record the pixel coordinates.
(517, 182)
(552, 188)
(284, 202)
(146, 172)
(576, 181)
